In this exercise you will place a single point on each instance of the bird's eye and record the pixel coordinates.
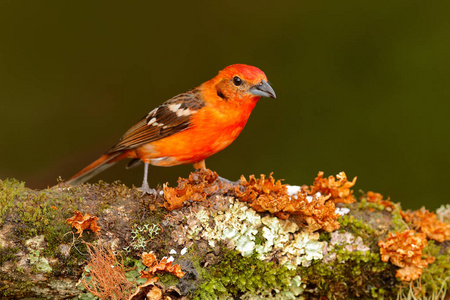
(237, 81)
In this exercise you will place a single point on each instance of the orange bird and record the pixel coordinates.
(191, 126)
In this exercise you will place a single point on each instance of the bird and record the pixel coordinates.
(189, 127)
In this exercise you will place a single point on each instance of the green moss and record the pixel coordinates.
(364, 204)
(259, 238)
(8, 254)
(353, 275)
(34, 212)
(236, 275)
(358, 227)
(435, 279)
(168, 279)
(397, 220)
(56, 235)
(20, 288)
(45, 212)
(9, 189)
(355, 226)
(70, 265)
(436, 276)
(356, 275)
(325, 236)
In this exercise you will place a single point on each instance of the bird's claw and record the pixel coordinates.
(145, 188)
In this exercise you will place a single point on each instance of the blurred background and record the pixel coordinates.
(362, 87)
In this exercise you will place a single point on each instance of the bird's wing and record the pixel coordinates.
(169, 118)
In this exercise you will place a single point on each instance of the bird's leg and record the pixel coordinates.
(200, 165)
(145, 187)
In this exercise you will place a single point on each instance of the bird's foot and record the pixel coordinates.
(145, 188)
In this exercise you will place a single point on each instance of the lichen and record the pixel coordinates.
(141, 236)
(86, 222)
(314, 206)
(343, 241)
(443, 213)
(26, 214)
(227, 249)
(372, 199)
(240, 226)
(285, 243)
(197, 187)
(339, 189)
(427, 222)
(404, 249)
(36, 259)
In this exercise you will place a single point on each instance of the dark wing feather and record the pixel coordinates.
(169, 118)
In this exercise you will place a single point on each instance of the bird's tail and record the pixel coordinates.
(105, 161)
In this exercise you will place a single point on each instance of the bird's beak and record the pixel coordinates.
(263, 89)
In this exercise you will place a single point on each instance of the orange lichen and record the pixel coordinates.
(149, 259)
(318, 212)
(197, 187)
(105, 276)
(313, 205)
(148, 291)
(338, 189)
(266, 194)
(378, 199)
(428, 223)
(175, 197)
(81, 223)
(404, 250)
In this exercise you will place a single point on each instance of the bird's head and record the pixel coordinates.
(242, 82)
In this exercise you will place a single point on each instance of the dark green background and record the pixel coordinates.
(363, 87)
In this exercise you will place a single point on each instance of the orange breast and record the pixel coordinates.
(214, 128)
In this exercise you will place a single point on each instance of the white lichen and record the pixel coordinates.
(239, 225)
(302, 250)
(35, 257)
(345, 241)
(443, 213)
(141, 235)
(277, 234)
(293, 190)
(342, 211)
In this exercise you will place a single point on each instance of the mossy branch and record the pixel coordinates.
(224, 247)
